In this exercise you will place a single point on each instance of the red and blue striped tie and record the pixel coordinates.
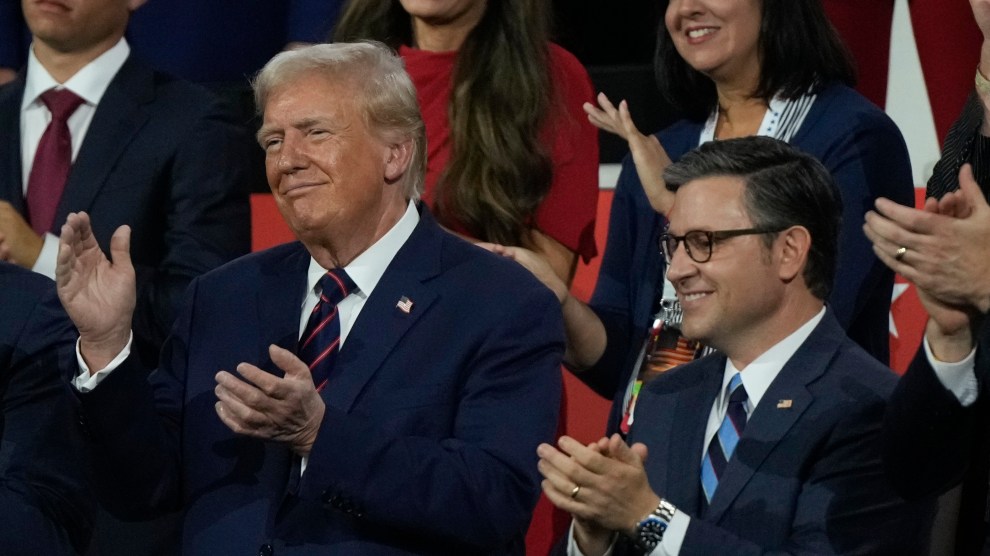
(320, 341)
(724, 442)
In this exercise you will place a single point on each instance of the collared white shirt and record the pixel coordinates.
(366, 270)
(89, 83)
(756, 378)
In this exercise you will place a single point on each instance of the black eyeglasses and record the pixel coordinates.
(698, 243)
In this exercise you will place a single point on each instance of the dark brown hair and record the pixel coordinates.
(499, 170)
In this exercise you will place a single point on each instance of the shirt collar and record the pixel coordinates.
(367, 269)
(758, 375)
(89, 83)
(781, 120)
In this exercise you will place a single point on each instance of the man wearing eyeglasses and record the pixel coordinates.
(770, 444)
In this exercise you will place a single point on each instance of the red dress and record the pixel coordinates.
(567, 213)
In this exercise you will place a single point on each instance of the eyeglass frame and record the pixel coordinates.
(713, 237)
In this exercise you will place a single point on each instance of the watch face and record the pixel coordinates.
(651, 532)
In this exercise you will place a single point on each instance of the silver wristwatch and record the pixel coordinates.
(649, 531)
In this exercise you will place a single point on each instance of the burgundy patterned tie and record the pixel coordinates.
(52, 162)
(320, 341)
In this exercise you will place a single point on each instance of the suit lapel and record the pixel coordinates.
(772, 420)
(11, 180)
(116, 122)
(279, 301)
(381, 323)
(674, 431)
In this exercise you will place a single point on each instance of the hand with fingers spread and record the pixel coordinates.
(98, 294)
(648, 154)
(282, 409)
(603, 485)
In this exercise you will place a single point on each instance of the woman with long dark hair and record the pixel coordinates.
(511, 158)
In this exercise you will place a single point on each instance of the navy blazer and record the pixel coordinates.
(161, 156)
(865, 153)
(429, 441)
(806, 476)
(45, 504)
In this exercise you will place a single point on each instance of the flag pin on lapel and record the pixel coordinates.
(784, 404)
(405, 305)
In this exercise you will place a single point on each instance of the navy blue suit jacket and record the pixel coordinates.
(806, 476)
(865, 153)
(932, 443)
(161, 157)
(432, 422)
(45, 504)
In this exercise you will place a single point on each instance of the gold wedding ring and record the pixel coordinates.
(899, 254)
(575, 491)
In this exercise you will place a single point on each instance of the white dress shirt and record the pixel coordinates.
(756, 378)
(89, 83)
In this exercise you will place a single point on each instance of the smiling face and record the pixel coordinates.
(445, 12)
(72, 26)
(334, 180)
(443, 25)
(719, 38)
(733, 298)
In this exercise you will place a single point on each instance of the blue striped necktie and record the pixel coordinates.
(320, 341)
(724, 442)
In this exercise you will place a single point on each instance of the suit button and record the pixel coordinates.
(266, 550)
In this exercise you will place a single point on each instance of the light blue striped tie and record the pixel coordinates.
(724, 442)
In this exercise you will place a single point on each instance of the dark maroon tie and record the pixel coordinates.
(52, 161)
(321, 340)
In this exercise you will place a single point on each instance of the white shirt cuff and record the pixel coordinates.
(673, 538)
(48, 257)
(572, 547)
(84, 382)
(958, 378)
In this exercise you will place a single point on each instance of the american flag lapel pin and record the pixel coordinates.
(405, 305)
(784, 404)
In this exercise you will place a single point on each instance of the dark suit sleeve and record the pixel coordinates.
(845, 505)
(929, 438)
(45, 507)
(132, 423)
(478, 486)
(207, 223)
(963, 144)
